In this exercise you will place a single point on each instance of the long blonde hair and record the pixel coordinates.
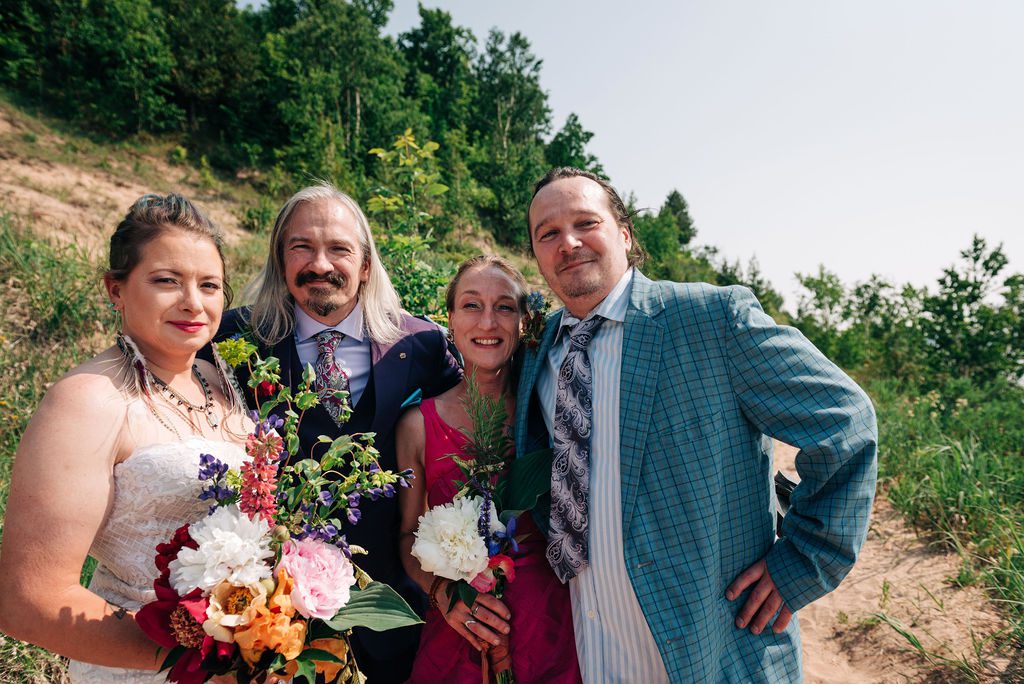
(272, 314)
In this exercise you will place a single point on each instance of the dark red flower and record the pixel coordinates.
(266, 389)
(173, 621)
(167, 552)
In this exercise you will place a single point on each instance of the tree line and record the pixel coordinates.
(435, 130)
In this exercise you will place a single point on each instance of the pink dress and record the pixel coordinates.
(543, 645)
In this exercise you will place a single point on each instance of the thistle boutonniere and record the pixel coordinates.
(536, 313)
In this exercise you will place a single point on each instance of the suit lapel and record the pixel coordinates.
(288, 355)
(390, 377)
(637, 385)
(532, 364)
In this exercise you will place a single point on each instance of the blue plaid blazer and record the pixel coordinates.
(707, 379)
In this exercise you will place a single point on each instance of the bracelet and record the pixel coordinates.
(433, 592)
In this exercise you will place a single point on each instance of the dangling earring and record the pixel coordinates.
(118, 318)
(450, 335)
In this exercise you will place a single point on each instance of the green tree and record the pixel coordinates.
(569, 148)
(440, 77)
(337, 82)
(23, 46)
(676, 207)
(115, 65)
(973, 326)
(213, 54)
(821, 315)
(509, 117)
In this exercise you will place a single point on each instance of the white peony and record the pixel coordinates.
(448, 543)
(232, 548)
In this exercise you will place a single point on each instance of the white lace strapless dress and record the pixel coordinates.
(156, 491)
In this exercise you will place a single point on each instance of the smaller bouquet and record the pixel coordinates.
(265, 583)
(470, 539)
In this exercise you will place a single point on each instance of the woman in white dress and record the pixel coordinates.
(108, 465)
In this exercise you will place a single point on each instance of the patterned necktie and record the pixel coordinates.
(570, 467)
(330, 377)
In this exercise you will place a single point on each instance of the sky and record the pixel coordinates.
(871, 137)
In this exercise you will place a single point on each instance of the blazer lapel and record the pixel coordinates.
(288, 355)
(532, 364)
(390, 377)
(637, 385)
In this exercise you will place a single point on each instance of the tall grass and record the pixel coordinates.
(953, 463)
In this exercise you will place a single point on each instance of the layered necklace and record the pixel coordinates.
(184, 403)
(145, 378)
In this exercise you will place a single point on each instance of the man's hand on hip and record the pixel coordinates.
(762, 603)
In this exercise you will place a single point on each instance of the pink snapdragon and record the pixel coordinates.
(259, 476)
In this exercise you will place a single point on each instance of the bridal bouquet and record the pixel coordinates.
(265, 583)
(469, 540)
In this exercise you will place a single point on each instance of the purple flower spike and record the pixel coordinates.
(329, 531)
(389, 491)
(326, 498)
(353, 499)
(354, 514)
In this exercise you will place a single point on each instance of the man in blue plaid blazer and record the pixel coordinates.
(686, 580)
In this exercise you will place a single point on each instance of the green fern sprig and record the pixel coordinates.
(489, 448)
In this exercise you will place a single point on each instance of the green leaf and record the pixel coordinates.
(172, 657)
(306, 669)
(308, 374)
(465, 593)
(306, 400)
(311, 654)
(435, 189)
(528, 479)
(377, 607)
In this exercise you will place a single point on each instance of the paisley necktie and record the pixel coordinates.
(330, 376)
(570, 467)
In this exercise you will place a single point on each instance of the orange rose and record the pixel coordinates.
(270, 625)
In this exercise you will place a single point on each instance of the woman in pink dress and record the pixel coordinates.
(486, 303)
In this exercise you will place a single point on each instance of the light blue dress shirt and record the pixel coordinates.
(353, 353)
(613, 641)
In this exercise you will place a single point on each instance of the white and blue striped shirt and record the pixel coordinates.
(613, 640)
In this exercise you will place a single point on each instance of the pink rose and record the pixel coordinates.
(484, 581)
(322, 577)
(504, 564)
(499, 565)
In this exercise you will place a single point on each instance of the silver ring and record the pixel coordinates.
(469, 622)
(476, 607)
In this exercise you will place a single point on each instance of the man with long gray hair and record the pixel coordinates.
(323, 298)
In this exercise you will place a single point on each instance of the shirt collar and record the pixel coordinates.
(613, 307)
(307, 327)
